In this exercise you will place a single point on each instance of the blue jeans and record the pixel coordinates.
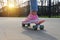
(33, 5)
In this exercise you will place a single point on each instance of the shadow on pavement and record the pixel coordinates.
(38, 35)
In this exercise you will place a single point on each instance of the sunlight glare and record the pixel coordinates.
(11, 5)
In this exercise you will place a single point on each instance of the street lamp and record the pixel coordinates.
(42, 6)
(49, 10)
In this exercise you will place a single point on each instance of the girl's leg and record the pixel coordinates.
(32, 17)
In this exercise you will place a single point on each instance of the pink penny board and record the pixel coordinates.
(40, 22)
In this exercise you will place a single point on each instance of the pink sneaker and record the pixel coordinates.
(31, 19)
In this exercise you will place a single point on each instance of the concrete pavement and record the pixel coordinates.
(11, 29)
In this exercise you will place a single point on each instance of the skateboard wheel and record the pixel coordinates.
(23, 25)
(34, 27)
(41, 27)
(28, 24)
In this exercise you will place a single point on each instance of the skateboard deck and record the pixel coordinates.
(41, 21)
